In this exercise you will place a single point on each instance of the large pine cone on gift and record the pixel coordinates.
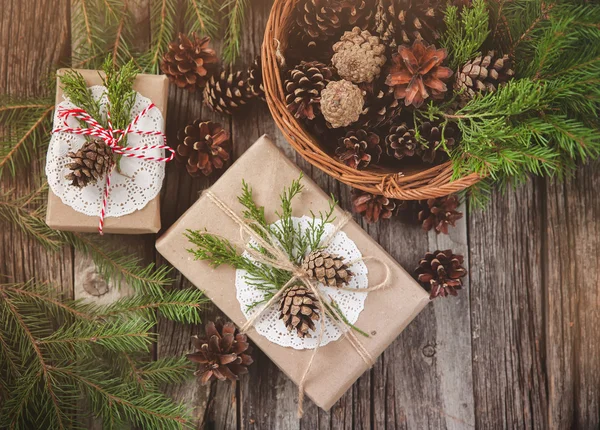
(223, 353)
(359, 148)
(439, 213)
(226, 92)
(299, 310)
(440, 272)
(417, 73)
(431, 133)
(328, 269)
(358, 56)
(373, 207)
(483, 74)
(417, 20)
(91, 162)
(204, 146)
(303, 86)
(189, 63)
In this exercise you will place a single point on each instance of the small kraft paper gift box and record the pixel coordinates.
(132, 204)
(339, 328)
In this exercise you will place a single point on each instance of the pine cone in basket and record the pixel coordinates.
(384, 23)
(380, 108)
(91, 162)
(204, 146)
(483, 74)
(401, 141)
(417, 73)
(440, 272)
(322, 19)
(223, 353)
(372, 207)
(358, 56)
(431, 133)
(226, 92)
(341, 103)
(189, 63)
(359, 148)
(417, 20)
(255, 79)
(299, 310)
(439, 213)
(303, 86)
(328, 269)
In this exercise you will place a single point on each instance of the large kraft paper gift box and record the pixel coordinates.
(60, 216)
(386, 312)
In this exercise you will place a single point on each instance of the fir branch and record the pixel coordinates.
(77, 92)
(200, 17)
(235, 13)
(119, 91)
(162, 25)
(166, 370)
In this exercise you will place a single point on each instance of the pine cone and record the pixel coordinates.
(439, 213)
(384, 23)
(299, 310)
(204, 146)
(341, 103)
(483, 74)
(223, 353)
(417, 73)
(431, 132)
(303, 87)
(91, 162)
(358, 56)
(401, 141)
(380, 108)
(359, 148)
(372, 207)
(440, 272)
(417, 20)
(328, 269)
(226, 92)
(255, 79)
(187, 63)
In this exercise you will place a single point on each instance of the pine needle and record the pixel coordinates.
(235, 14)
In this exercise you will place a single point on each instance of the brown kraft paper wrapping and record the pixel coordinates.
(146, 220)
(386, 313)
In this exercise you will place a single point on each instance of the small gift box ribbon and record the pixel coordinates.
(281, 260)
(113, 137)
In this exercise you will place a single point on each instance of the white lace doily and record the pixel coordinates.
(140, 180)
(351, 303)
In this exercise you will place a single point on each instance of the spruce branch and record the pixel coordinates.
(162, 25)
(200, 17)
(235, 14)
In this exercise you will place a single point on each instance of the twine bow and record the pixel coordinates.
(113, 137)
(280, 260)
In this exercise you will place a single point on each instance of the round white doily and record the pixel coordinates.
(140, 180)
(351, 303)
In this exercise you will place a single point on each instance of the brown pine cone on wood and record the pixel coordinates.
(255, 79)
(303, 86)
(91, 162)
(401, 141)
(299, 310)
(226, 92)
(439, 213)
(372, 207)
(440, 272)
(189, 63)
(483, 75)
(359, 148)
(431, 133)
(204, 146)
(223, 353)
(328, 269)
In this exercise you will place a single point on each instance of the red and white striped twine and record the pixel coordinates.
(113, 137)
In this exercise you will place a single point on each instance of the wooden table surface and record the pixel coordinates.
(519, 347)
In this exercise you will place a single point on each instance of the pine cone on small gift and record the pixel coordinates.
(431, 133)
(341, 103)
(358, 56)
(223, 353)
(299, 310)
(204, 146)
(417, 73)
(440, 272)
(189, 63)
(91, 162)
(303, 86)
(226, 92)
(328, 269)
(372, 207)
(417, 20)
(359, 148)
(483, 74)
(401, 141)
(439, 213)
(255, 79)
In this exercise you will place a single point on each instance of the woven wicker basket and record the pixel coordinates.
(416, 184)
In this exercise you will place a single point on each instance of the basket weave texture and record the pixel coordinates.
(429, 182)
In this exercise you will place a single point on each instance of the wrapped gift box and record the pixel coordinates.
(60, 216)
(386, 313)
